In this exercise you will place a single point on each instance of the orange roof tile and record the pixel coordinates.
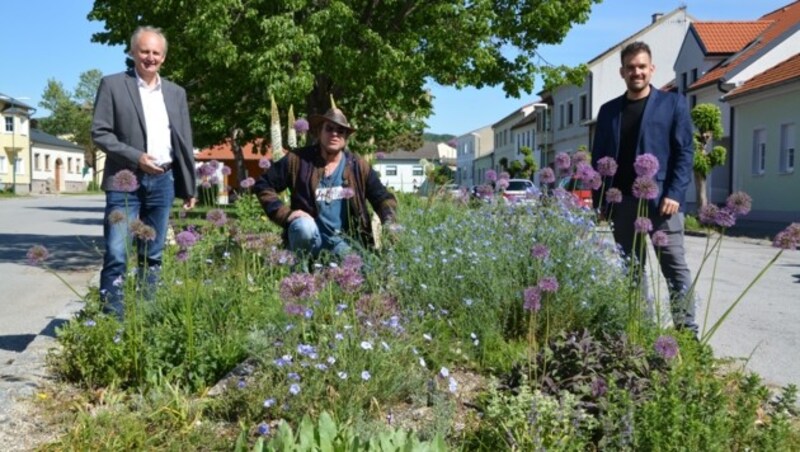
(782, 20)
(223, 151)
(785, 71)
(728, 37)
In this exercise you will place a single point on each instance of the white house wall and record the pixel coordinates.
(409, 174)
(71, 179)
(569, 135)
(781, 52)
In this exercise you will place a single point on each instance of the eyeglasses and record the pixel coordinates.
(334, 129)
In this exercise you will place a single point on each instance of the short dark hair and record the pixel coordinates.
(634, 48)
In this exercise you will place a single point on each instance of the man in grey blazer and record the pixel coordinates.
(141, 122)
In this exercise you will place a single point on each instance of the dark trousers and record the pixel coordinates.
(672, 257)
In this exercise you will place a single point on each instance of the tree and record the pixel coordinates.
(707, 120)
(374, 57)
(71, 113)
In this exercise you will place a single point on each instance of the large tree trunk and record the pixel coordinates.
(700, 188)
(238, 156)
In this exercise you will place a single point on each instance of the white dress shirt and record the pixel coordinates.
(159, 143)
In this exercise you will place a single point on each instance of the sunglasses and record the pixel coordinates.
(334, 129)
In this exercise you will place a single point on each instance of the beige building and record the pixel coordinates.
(15, 145)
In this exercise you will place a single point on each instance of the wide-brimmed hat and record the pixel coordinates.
(333, 115)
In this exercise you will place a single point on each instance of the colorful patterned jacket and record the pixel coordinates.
(301, 170)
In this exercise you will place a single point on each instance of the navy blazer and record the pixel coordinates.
(666, 132)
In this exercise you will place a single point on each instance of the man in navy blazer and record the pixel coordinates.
(141, 122)
(645, 120)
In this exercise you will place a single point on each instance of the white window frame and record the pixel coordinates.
(788, 147)
(417, 170)
(391, 170)
(759, 151)
(20, 166)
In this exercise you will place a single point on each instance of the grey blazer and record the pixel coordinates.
(118, 128)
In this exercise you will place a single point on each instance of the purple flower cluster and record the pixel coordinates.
(540, 251)
(737, 204)
(546, 175)
(548, 284)
(789, 238)
(563, 161)
(301, 125)
(264, 163)
(645, 187)
(607, 166)
(643, 225)
(281, 257)
(248, 182)
(37, 254)
(298, 286)
(646, 165)
(142, 231)
(491, 175)
(613, 196)
(660, 239)
(666, 347)
(217, 217)
(186, 239)
(125, 181)
(532, 297)
(580, 157)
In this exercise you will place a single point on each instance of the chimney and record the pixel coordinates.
(657, 16)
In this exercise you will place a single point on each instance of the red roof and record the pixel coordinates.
(785, 71)
(728, 37)
(782, 19)
(223, 151)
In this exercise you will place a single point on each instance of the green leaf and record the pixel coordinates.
(327, 432)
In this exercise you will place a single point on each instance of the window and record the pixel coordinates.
(37, 162)
(694, 75)
(584, 105)
(561, 116)
(20, 165)
(692, 101)
(46, 162)
(570, 113)
(391, 170)
(788, 146)
(759, 151)
(3, 168)
(684, 83)
(69, 164)
(9, 124)
(416, 170)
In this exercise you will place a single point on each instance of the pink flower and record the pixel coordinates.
(613, 196)
(789, 238)
(247, 183)
(563, 161)
(491, 175)
(646, 165)
(580, 157)
(645, 188)
(502, 183)
(643, 225)
(298, 286)
(37, 254)
(660, 239)
(226, 170)
(548, 284)
(607, 166)
(532, 297)
(739, 203)
(546, 175)
(125, 181)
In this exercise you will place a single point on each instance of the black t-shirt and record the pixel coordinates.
(631, 123)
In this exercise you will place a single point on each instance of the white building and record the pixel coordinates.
(505, 144)
(471, 146)
(403, 171)
(58, 165)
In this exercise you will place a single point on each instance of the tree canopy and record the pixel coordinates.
(373, 56)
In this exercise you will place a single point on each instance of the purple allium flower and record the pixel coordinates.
(548, 284)
(248, 182)
(540, 251)
(365, 375)
(142, 231)
(599, 387)
(214, 164)
(563, 161)
(645, 188)
(301, 125)
(502, 183)
(294, 309)
(613, 196)
(504, 175)
(607, 166)
(352, 261)
(348, 279)
(116, 217)
(646, 165)
(294, 389)
(666, 347)
(724, 218)
(214, 180)
(660, 239)
(182, 255)
(546, 175)
(532, 297)
(205, 184)
(37, 254)
(298, 286)
(186, 239)
(708, 214)
(739, 203)
(263, 429)
(217, 217)
(789, 238)
(491, 175)
(643, 225)
(580, 157)
(206, 170)
(264, 163)
(125, 181)
(226, 170)
(583, 171)
(594, 180)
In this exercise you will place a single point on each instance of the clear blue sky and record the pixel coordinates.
(51, 39)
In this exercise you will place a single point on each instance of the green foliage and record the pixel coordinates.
(326, 435)
(437, 137)
(717, 156)
(374, 58)
(531, 420)
(707, 119)
(702, 163)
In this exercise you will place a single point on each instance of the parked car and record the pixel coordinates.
(520, 190)
(580, 191)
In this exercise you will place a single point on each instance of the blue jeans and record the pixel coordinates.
(305, 240)
(151, 203)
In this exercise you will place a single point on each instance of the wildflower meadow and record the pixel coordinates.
(479, 324)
